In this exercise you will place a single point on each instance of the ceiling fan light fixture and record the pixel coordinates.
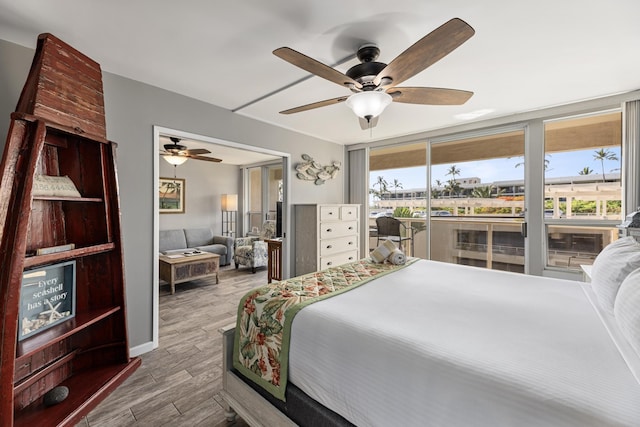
(175, 160)
(368, 104)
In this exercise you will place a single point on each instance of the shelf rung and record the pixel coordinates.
(57, 333)
(36, 376)
(61, 256)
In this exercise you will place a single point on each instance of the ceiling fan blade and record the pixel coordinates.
(365, 125)
(429, 95)
(315, 67)
(315, 105)
(426, 51)
(197, 151)
(208, 159)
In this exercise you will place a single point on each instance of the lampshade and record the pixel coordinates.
(230, 202)
(175, 160)
(368, 104)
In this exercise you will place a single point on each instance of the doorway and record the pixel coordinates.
(219, 148)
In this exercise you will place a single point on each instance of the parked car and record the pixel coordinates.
(548, 213)
(440, 213)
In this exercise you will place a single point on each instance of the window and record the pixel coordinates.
(582, 187)
(254, 210)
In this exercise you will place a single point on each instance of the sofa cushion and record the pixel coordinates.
(171, 240)
(198, 236)
(215, 249)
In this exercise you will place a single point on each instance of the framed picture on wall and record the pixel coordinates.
(171, 195)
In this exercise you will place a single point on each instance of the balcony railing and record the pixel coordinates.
(488, 241)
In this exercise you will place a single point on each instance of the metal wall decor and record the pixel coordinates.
(310, 170)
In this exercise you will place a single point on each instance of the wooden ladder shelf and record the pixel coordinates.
(62, 284)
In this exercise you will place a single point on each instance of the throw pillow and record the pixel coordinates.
(626, 309)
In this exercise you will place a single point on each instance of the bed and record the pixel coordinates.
(436, 344)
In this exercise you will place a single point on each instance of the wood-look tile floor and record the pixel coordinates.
(179, 383)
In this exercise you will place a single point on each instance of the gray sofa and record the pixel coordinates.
(202, 239)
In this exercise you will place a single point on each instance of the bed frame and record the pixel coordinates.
(240, 398)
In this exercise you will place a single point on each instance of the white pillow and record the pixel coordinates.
(627, 309)
(611, 267)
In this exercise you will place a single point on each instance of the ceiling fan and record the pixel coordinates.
(177, 154)
(374, 83)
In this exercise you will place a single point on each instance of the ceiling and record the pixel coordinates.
(524, 55)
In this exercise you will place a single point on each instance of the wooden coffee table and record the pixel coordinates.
(177, 269)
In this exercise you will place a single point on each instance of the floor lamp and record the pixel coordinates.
(229, 211)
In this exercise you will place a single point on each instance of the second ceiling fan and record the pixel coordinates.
(374, 83)
(176, 153)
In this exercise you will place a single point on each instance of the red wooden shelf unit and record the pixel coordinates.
(58, 130)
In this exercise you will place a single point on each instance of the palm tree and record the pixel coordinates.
(602, 155)
(375, 193)
(453, 171)
(482, 192)
(396, 184)
(546, 162)
(382, 185)
(452, 187)
(586, 171)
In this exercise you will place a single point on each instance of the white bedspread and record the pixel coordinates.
(437, 344)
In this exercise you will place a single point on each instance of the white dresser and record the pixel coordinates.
(325, 236)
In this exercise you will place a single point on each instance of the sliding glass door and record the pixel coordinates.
(583, 187)
(477, 204)
(475, 199)
(265, 190)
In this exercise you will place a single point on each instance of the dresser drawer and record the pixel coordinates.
(341, 244)
(343, 258)
(348, 212)
(329, 213)
(329, 230)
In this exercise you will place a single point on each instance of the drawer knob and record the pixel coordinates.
(350, 228)
(330, 213)
(351, 243)
(329, 230)
(329, 246)
(350, 258)
(329, 263)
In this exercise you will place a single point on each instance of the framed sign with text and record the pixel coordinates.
(47, 298)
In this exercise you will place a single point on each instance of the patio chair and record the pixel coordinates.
(393, 229)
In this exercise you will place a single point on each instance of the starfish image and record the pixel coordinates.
(52, 312)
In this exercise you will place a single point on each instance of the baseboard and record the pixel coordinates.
(141, 349)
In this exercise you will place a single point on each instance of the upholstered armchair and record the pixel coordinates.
(252, 251)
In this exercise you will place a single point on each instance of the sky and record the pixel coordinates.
(559, 165)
